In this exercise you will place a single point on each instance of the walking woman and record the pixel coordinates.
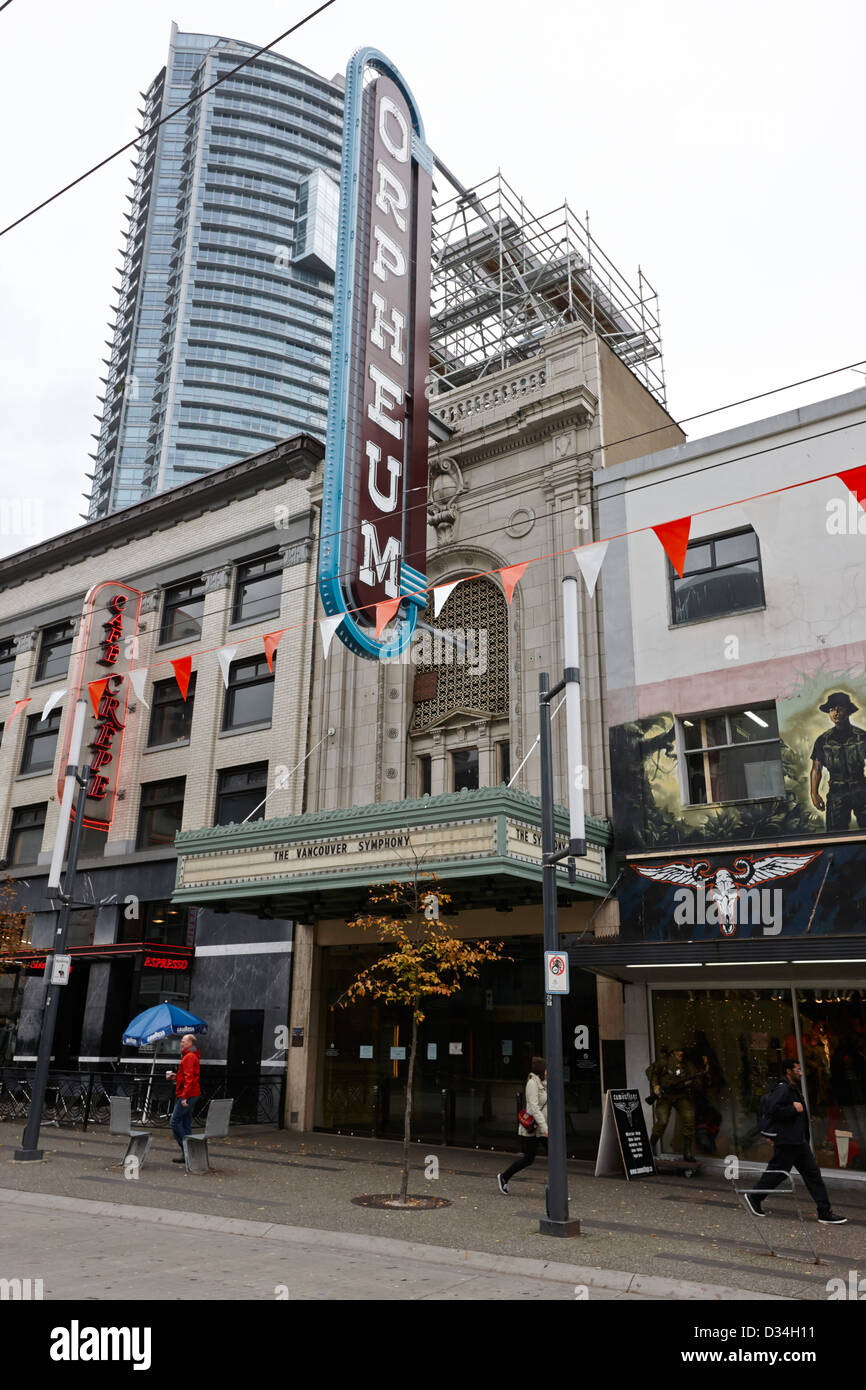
(536, 1105)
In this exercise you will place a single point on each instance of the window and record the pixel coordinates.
(721, 575)
(250, 693)
(503, 751)
(461, 657)
(7, 664)
(55, 650)
(161, 813)
(257, 592)
(732, 757)
(25, 836)
(240, 793)
(40, 742)
(425, 775)
(464, 765)
(170, 713)
(92, 842)
(182, 611)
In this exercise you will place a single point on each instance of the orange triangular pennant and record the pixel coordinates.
(272, 641)
(182, 667)
(19, 705)
(511, 577)
(384, 613)
(855, 480)
(96, 690)
(674, 536)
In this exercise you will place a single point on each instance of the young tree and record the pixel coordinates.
(425, 959)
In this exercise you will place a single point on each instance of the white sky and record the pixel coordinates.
(719, 146)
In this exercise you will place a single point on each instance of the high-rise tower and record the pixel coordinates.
(221, 343)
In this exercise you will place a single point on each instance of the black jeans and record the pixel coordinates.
(529, 1143)
(799, 1156)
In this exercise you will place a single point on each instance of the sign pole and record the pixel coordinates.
(557, 1221)
(28, 1150)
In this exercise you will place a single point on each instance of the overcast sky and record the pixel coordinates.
(718, 146)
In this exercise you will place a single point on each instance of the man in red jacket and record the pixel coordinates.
(186, 1089)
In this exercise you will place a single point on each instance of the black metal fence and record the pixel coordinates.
(79, 1099)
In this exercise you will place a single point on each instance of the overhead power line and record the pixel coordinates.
(130, 144)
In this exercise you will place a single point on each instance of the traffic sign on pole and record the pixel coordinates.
(556, 971)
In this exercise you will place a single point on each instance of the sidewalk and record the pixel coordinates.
(690, 1234)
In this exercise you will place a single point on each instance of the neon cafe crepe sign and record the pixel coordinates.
(374, 524)
(104, 653)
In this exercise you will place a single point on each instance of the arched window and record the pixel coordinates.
(459, 731)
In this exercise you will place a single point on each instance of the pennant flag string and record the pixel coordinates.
(674, 536)
(53, 699)
(327, 627)
(384, 613)
(272, 641)
(96, 690)
(225, 657)
(441, 595)
(855, 480)
(182, 666)
(511, 577)
(589, 561)
(19, 705)
(136, 680)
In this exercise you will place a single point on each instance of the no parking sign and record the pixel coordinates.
(556, 970)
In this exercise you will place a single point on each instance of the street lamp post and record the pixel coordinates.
(29, 1150)
(557, 1221)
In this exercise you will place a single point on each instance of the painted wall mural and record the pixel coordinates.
(795, 768)
(745, 895)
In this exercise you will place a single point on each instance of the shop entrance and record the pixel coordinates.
(739, 1038)
(473, 1055)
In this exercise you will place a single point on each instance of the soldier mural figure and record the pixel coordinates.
(842, 751)
(673, 1082)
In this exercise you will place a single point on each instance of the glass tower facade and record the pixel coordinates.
(221, 343)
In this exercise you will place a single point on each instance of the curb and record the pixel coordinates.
(612, 1280)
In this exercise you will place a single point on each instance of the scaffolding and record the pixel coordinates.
(504, 279)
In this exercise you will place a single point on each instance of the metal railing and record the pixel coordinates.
(80, 1099)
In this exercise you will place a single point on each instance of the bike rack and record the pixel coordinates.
(743, 1192)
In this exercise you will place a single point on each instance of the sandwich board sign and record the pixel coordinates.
(623, 1143)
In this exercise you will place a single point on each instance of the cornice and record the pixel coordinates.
(297, 458)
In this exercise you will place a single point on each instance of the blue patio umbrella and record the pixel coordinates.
(162, 1021)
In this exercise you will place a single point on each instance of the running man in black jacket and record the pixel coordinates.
(792, 1150)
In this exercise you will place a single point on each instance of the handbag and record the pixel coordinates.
(524, 1118)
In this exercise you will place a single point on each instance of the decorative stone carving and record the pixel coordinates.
(150, 602)
(390, 773)
(219, 578)
(520, 523)
(392, 733)
(26, 641)
(446, 486)
(297, 552)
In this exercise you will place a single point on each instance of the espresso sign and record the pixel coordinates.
(104, 652)
(374, 515)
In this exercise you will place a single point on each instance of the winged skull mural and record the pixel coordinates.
(724, 885)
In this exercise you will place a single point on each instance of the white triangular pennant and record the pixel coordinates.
(590, 559)
(54, 698)
(441, 594)
(137, 680)
(327, 627)
(225, 657)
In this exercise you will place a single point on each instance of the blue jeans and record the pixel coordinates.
(181, 1120)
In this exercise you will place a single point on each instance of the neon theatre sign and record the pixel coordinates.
(104, 652)
(374, 509)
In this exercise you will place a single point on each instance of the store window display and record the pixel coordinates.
(738, 1041)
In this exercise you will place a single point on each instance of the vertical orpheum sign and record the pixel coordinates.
(104, 652)
(374, 510)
